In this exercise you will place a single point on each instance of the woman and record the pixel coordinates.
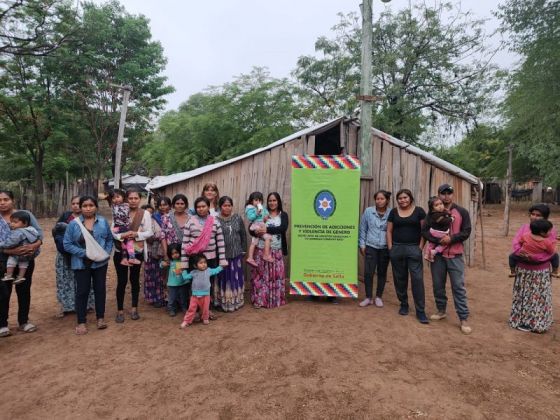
(163, 206)
(405, 242)
(203, 235)
(373, 246)
(210, 191)
(228, 295)
(268, 280)
(174, 222)
(140, 230)
(157, 249)
(531, 308)
(65, 282)
(87, 272)
(23, 290)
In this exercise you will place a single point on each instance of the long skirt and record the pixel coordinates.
(153, 282)
(532, 300)
(66, 285)
(228, 293)
(268, 283)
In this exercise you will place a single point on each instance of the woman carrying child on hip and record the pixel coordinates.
(440, 221)
(22, 233)
(257, 215)
(121, 224)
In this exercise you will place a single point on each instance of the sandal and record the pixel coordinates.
(134, 315)
(28, 327)
(81, 329)
(101, 324)
(212, 316)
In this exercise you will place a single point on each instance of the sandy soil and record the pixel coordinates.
(304, 360)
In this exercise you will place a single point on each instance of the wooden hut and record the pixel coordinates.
(395, 165)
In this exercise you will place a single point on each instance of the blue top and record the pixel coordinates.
(201, 280)
(5, 232)
(177, 275)
(253, 215)
(74, 245)
(373, 229)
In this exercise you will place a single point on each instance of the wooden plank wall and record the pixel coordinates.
(393, 168)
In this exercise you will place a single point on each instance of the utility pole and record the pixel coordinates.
(366, 89)
(509, 183)
(120, 137)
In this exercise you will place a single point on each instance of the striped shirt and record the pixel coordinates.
(216, 245)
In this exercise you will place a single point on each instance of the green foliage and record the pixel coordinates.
(226, 121)
(429, 63)
(484, 153)
(532, 106)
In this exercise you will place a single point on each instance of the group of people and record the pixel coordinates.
(192, 258)
(400, 235)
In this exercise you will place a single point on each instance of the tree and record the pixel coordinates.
(532, 105)
(223, 122)
(35, 27)
(115, 49)
(429, 63)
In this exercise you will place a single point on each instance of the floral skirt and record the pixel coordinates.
(153, 282)
(230, 285)
(268, 280)
(66, 286)
(532, 300)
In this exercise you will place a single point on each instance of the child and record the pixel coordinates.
(257, 215)
(537, 241)
(200, 298)
(121, 224)
(440, 222)
(21, 234)
(176, 280)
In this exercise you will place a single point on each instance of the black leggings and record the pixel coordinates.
(85, 279)
(23, 291)
(123, 277)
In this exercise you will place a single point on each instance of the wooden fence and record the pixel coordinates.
(55, 197)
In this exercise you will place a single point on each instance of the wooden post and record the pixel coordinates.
(366, 88)
(508, 190)
(120, 136)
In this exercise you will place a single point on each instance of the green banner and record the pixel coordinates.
(324, 225)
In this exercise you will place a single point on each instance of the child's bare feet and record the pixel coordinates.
(268, 258)
(205, 322)
(184, 325)
(134, 261)
(125, 262)
(252, 262)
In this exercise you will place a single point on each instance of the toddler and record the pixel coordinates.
(535, 242)
(200, 297)
(176, 280)
(440, 220)
(121, 224)
(21, 234)
(257, 216)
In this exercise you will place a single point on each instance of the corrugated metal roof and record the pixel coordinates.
(162, 181)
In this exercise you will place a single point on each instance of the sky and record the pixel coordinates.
(208, 43)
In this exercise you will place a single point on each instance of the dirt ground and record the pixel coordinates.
(304, 360)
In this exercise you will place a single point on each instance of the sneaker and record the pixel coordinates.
(403, 310)
(5, 332)
(8, 278)
(465, 329)
(172, 313)
(439, 316)
(422, 318)
(28, 327)
(378, 302)
(119, 319)
(206, 322)
(19, 280)
(365, 302)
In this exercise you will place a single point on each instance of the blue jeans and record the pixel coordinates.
(177, 294)
(455, 267)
